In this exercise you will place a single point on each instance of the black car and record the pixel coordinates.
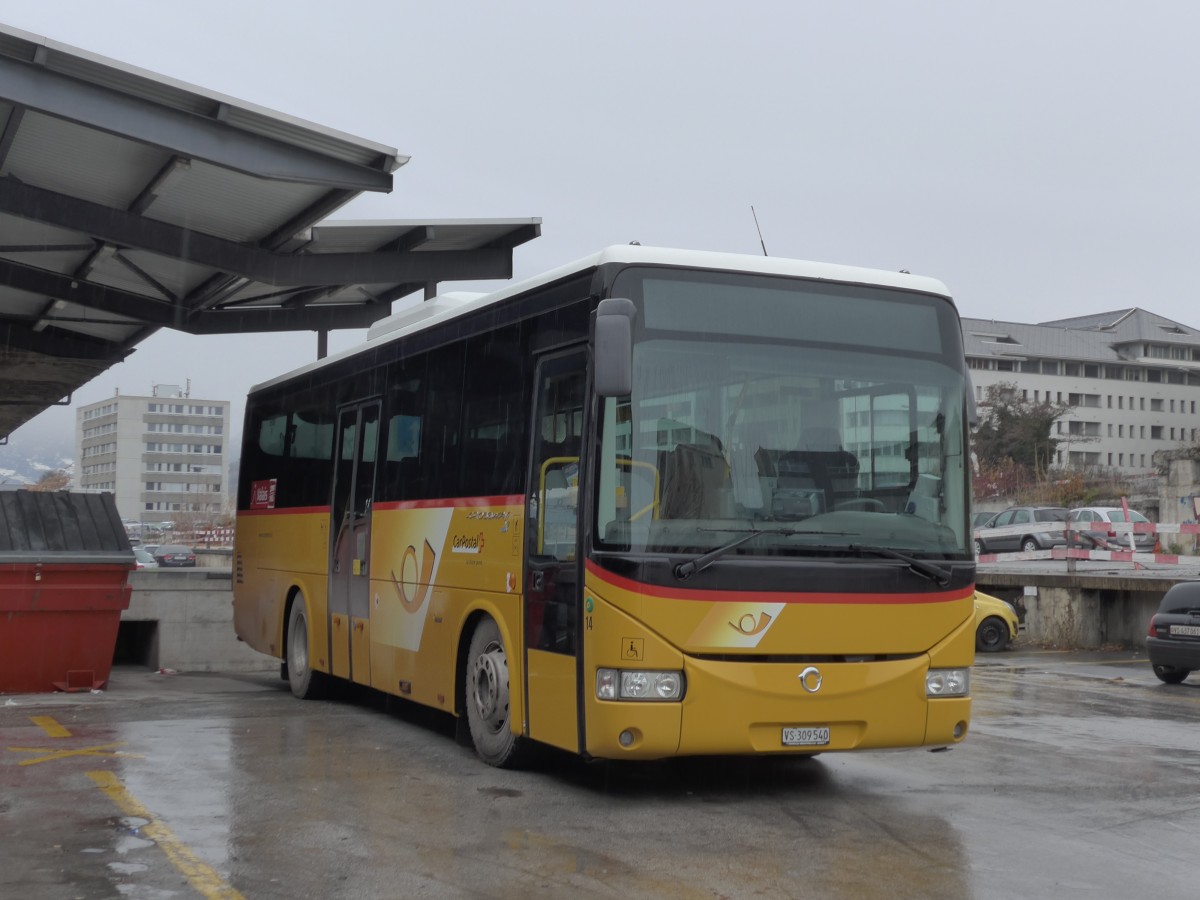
(174, 555)
(1173, 639)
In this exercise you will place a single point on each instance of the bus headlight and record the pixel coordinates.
(638, 684)
(948, 683)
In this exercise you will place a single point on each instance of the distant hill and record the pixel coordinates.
(24, 462)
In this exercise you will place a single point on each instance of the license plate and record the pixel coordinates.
(1181, 630)
(806, 737)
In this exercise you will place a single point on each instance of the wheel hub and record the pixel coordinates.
(489, 687)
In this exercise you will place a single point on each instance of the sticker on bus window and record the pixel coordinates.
(262, 494)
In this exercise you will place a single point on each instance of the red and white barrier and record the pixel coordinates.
(1112, 531)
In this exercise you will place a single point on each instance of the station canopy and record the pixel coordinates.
(130, 202)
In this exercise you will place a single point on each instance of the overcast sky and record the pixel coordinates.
(1040, 158)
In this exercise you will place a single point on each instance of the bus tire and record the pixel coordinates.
(304, 682)
(485, 677)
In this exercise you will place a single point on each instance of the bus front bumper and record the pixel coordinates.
(734, 707)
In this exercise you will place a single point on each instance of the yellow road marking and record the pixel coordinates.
(50, 754)
(51, 727)
(201, 876)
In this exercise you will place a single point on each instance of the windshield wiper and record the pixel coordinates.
(691, 567)
(920, 566)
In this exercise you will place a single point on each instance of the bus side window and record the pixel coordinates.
(494, 412)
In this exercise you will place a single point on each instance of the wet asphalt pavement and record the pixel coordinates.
(1081, 778)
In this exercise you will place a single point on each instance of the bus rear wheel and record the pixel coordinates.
(485, 676)
(304, 682)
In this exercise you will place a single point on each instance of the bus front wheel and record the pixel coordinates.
(485, 677)
(304, 682)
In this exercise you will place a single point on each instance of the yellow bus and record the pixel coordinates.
(654, 503)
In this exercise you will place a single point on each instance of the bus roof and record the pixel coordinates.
(453, 304)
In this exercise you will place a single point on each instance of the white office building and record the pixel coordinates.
(160, 456)
(1131, 377)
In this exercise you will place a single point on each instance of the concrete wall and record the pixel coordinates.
(1088, 618)
(193, 612)
(1178, 493)
(193, 609)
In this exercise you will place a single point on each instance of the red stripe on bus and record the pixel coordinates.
(453, 503)
(666, 593)
(456, 502)
(285, 510)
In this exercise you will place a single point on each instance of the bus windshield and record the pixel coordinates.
(829, 417)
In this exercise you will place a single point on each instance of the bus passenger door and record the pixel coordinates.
(350, 543)
(552, 557)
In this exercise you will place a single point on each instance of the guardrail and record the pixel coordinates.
(1110, 532)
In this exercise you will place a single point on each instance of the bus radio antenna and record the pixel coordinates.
(756, 225)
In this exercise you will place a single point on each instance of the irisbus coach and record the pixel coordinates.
(654, 503)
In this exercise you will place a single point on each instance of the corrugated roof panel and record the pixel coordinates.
(231, 205)
(311, 136)
(15, 231)
(60, 526)
(62, 262)
(19, 303)
(175, 275)
(82, 162)
(173, 93)
(108, 329)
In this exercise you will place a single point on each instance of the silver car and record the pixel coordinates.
(1102, 516)
(1025, 528)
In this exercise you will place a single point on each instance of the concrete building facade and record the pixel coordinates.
(1132, 379)
(160, 456)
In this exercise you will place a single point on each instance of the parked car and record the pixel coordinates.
(980, 519)
(1022, 528)
(144, 559)
(1173, 638)
(1108, 515)
(174, 555)
(996, 623)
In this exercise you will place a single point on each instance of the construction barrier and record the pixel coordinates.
(1110, 532)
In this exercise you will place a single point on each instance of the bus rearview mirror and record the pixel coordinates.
(614, 347)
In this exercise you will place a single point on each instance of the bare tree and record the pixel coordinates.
(54, 480)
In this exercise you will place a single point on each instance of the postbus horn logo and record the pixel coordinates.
(409, 564)
(748, 626)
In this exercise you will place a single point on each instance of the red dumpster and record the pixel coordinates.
(64, 568)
